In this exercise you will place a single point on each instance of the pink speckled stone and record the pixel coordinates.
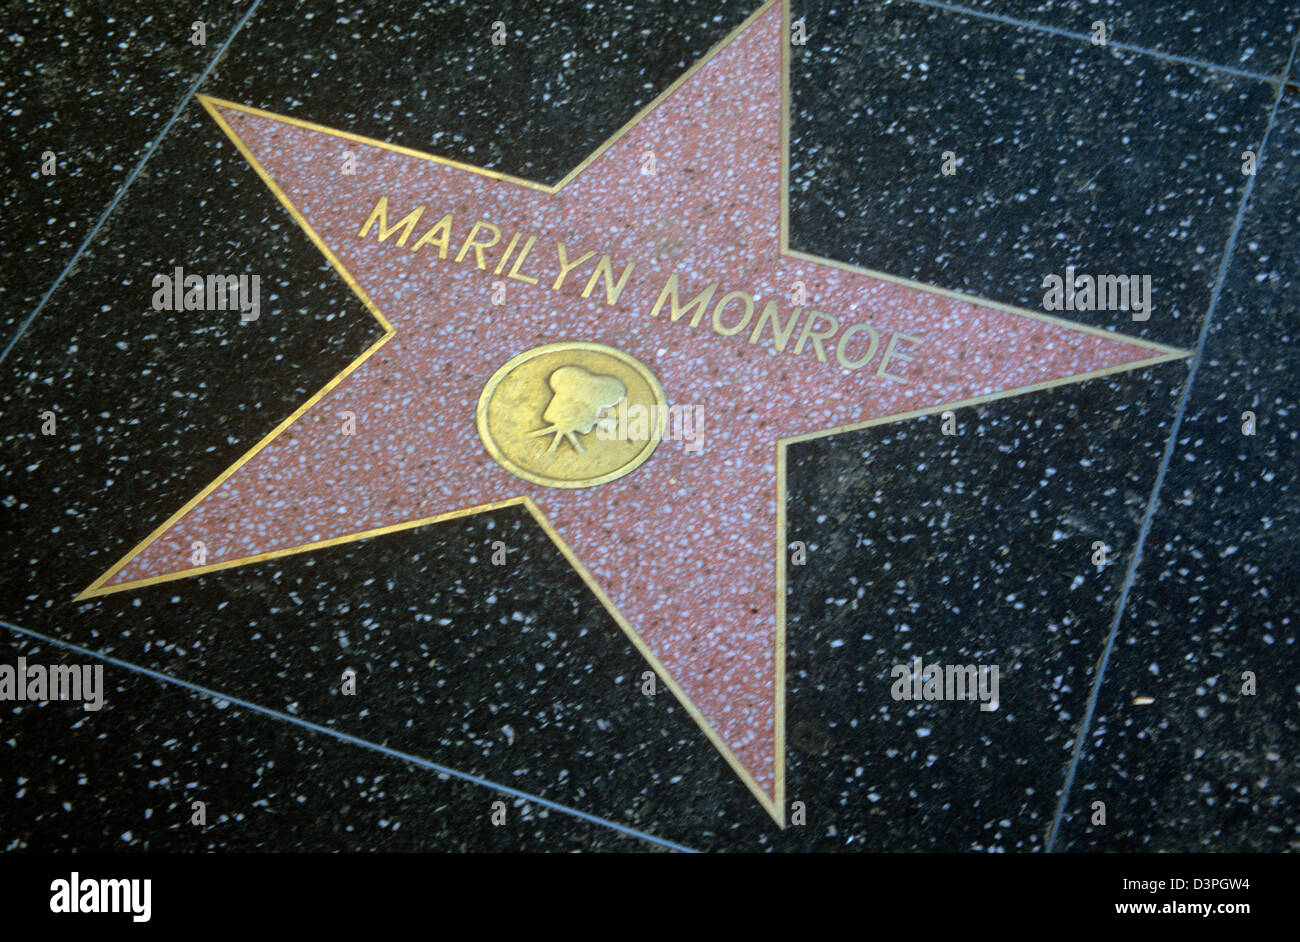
(685, 546)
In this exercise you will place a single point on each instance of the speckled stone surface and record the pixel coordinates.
(94, 84)
(152, 407)
(1207, 766)
(1254, 37)
(918, 547)
(1064, 155)
(125, 778)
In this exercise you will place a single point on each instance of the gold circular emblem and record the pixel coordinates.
(571, 414)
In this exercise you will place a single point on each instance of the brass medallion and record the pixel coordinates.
(557, 414)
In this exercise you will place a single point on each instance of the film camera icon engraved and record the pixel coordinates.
(570, 390)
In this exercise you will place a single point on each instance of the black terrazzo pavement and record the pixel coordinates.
(1207, 766)
(1065, 154)
(973, 548)
(94, 84)
(126, 777)
(1252, 37)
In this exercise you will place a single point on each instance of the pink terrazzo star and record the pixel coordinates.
(687, 550)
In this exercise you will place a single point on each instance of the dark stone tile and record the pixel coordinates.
(95, 86)
(150, 406)
(1207, 766)
(967, 549)
(1254, 37)
(427, 76)
(124, 777)
(1067, 155)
